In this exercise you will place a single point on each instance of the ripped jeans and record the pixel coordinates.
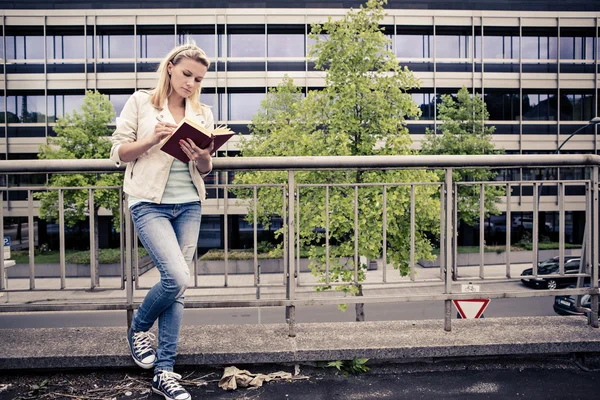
(169, 232)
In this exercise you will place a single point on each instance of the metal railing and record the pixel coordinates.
(218, 284)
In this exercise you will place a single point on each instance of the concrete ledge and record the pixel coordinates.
(53, 348)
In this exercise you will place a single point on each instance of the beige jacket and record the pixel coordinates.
(146, 177)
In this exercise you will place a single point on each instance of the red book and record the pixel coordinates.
(199, 134)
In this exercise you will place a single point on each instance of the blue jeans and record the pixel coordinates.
(169, 232)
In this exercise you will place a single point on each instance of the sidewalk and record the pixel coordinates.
(54, 348)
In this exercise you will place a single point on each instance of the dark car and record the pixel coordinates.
(551, 267)
(566, 305)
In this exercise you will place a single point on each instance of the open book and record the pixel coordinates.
(199, 134)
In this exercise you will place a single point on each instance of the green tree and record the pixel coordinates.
(360, 111)
(82, 135)
(464, 132)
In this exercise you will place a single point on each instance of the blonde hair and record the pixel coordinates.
(163, 88)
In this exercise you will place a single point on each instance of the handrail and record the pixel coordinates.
(323, 162)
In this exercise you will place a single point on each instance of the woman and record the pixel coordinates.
(164, 198)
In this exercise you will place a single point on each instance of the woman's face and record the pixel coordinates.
(186, 76)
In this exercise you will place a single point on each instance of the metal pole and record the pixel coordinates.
(128, 263)
(450, 234)
(594, 248)
(290, 310)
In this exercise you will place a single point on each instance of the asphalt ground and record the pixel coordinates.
(559, 377)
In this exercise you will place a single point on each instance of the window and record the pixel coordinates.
(453, 42)
(26, 108)
(61, 104)
(118, 98)
(115, 42)
(155, 41)
(118, 101)
(285, 41)
(426, 103)
(576, 106)
(246, 41)
(243, 106)
(540, 44)
(414, 42)
(576, 44)
(2, 119)
(24, 43)
(500, 43)
(540, 106)
(502, 104)
(65, 42)
(203, 35)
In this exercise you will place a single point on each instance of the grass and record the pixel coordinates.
(105, 256)
(112, 256)
(514, 247)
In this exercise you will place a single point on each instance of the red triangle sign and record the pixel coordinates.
(472, 308)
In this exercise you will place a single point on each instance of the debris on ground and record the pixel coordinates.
(234, 378)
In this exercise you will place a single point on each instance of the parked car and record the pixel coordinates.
(566, 305)
(551, 267)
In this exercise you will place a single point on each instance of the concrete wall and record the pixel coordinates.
(72, 270)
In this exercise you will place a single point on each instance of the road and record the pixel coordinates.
(534, 306)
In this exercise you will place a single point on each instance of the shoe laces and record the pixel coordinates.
(142, 341)
(169, 380)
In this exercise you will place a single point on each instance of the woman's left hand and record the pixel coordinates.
(194, 152)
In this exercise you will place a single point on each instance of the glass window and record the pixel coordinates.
(453, 42)
(115, 42)
(539, 106)
(2, 55)
(540, 44)
(203, 35)
(577, 48)
(208, 98)
(501, 47)
(64, 42)
(414, 46)
(2, 119)
(246, 41)
(24, 43)
(280, 45)
(155, 41)
(89, 42)
(503, 105)
(118, 101)
(243, 106)
(26, 108)
(576, 106)
(426, 103)
(61, 104)
(286, 40)
(414, 42)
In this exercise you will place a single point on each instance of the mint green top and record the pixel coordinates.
(180, 188)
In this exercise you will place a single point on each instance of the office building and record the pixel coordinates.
(535, 64)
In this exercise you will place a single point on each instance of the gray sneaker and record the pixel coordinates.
(140, 345)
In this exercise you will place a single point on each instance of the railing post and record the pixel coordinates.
(2, 236)
(594, 248)
(128, 262)
(290, 287)
(449, 236)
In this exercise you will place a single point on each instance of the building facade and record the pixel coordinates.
(536, 66)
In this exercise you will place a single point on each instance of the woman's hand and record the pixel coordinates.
(161, 131)
(200, 156)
